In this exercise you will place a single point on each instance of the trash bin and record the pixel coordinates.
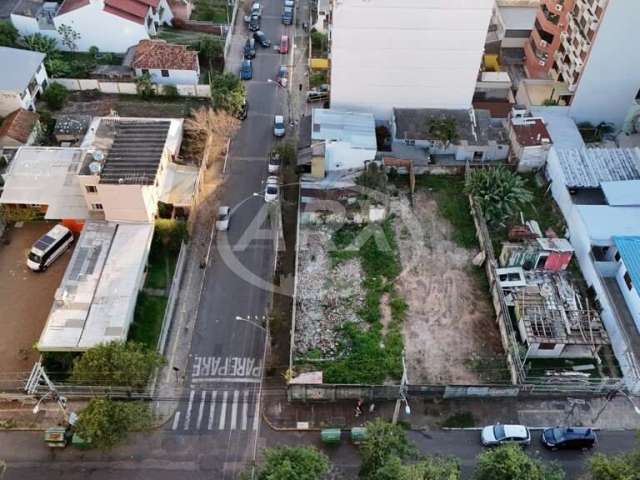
(358, 434)
(55, 437)
(330, 436)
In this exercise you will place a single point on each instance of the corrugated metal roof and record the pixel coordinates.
(359, 129)
(629, 248)
(625, 193)
(588, 168)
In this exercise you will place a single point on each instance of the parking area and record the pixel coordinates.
(25, 296)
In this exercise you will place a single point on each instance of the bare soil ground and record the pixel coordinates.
(25, 297)
(450, 323)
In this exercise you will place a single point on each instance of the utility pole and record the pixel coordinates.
(402, 394)
(33, 383)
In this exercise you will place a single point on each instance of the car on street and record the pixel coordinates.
(283, 75)
(289, 3)
(254, 23)
(569, 438)
(274, 162)
(284, 44)
(499, 434)
(271, 189)
(246, 70)
(249, 50)
(287, 15)
(262, 39)
(256, 9)
(223, 218)
(278, 126)
(242, 113)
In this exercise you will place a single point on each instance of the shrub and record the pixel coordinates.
(8, 34)
(170, 91)
(55, 96)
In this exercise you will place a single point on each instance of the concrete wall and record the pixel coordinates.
(127, 88)
(406, 53)
(611, 78)
(631, 296)
(176, 77)
(127, 203)
(10, 102)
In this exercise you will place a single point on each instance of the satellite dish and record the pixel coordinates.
(95, 167)
(98, 155)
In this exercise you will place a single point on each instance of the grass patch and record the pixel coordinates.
(160, 270)
(147, 320)
(459, 420)
(368, 356)
(216, 11)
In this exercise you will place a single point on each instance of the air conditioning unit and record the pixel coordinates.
(558, 7)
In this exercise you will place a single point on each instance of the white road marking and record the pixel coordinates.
(256, 416)
(187, 418)
(176, 420)
(245, 408)
(201, 410)
(212, 409)
(234, 410)
(226, 380)
(223, 411)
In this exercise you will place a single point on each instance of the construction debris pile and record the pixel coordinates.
(327, 296)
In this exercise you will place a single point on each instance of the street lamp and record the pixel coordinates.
(402, 394)
(36, 408)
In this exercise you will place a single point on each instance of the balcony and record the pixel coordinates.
(550, 16)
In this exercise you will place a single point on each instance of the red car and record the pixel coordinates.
(284, 44)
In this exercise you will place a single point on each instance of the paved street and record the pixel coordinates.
(221, 398)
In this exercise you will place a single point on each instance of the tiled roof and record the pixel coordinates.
(70, 5)
(158, 54)
(19, 125)
(629, 249)
(134, 10)
(530, 132)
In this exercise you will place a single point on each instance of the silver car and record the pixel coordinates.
(499, 434)
(223, 218)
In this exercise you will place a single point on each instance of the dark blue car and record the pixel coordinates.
(580, 438)
(246, 70)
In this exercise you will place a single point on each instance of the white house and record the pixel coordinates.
(166, 63)
(598, 192)
(406, 53)
(110, 25)
(23, 78)
(347, 140)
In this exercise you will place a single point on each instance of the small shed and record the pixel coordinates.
(540, 254)
(71, 128)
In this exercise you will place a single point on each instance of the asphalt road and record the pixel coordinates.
(228, 346)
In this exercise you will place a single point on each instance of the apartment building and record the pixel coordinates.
(389, 54)
(591, 47)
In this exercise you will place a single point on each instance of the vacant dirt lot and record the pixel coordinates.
(25, 297)
(450, 325)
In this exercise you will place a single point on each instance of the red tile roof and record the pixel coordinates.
(532, 133)
(70, 5)
(134, 10)
(158, 54)
(498, 109)
(150, 3)
(18, 125)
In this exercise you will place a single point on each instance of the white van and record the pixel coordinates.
(49, 247)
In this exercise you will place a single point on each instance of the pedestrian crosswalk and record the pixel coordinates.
(218, 410)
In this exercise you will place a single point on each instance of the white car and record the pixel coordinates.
(222, 221)
(278, 126)
(271, 190)
(498, 434)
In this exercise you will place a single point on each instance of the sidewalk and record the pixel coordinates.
(617, 414)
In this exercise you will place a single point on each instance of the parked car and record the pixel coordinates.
(274, 162)
(262, 39)
(284, 44)
(289, 3)
(580, 438)
(283, 75)
(222, 221)
(250, 48)
(271, 189)
(243, 112)
(287, 15)
(246, 70)
(278, 126)
(254, 23)
(498, 434)
(317, 96)
(256, 9)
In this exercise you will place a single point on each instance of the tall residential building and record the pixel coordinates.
(593, 49)
(389, 54)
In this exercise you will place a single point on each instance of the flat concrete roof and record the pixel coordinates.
(97, 296)
(518, 18)
(19, 67)
(625, 193)
(46, 176)
(358, 129)
(604, 222)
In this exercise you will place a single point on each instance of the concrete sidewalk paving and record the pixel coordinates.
(429, 414)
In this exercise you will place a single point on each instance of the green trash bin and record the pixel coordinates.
(78, 442)
(358, 434)
(330, 436)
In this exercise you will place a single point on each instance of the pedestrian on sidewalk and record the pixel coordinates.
(359, 408)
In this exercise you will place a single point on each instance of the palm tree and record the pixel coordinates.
(499, 192)
(144, 86)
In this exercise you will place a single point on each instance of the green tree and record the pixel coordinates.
(293, 463)
(500, 193)
(509, 462)
(116, 363)
(55, 95)
(210, 49)
(8, 34)
(69, 37)
(384, 441)
(614, 467)
(170, 91)
(227, 92)
(428, 468)
(443, 129)
(144, 85)
(105, 423)
(39, 43)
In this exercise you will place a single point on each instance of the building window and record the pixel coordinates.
(617, 256)
(91, 188)
(145, 71)
(627, 280)
(97, 206)
(547, 346)
(165, 73)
